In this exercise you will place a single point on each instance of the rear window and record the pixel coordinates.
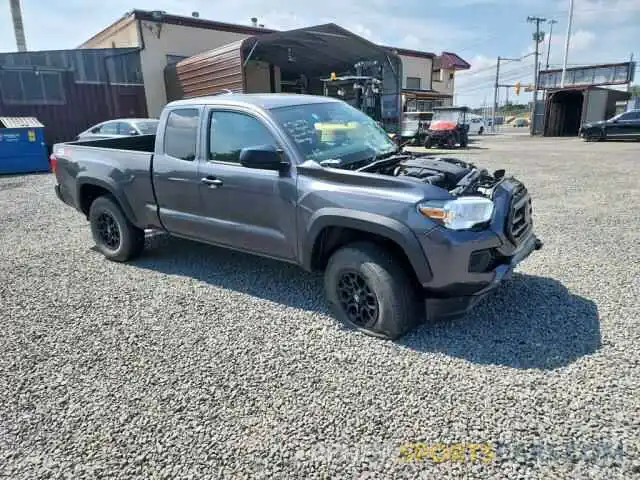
(147, 127)
(181, 134)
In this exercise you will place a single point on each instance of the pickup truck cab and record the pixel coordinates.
(311, 181)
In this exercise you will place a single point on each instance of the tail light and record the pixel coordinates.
(53, 163)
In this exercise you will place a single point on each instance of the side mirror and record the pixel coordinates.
(264, 157)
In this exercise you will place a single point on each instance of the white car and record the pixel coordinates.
(476, 124)
(123, 127)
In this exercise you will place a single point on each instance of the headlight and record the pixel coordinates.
(459, 214)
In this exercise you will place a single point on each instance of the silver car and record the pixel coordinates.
(122, 127)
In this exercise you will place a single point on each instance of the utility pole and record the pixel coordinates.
(495, 98)
(537, 38)
(18, 27)
(566, 44)
(551, 24)
(496, 88)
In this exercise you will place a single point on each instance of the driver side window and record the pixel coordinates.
(230, 132)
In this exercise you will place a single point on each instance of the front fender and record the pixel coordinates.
(386, 227)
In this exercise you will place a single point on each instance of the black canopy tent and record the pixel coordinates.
(317, 50)
(303, 56)
(313, 53)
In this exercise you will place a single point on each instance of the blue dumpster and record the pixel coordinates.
(22, 146)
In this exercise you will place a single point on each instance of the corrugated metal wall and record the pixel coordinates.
(70, 90)
(85, 104)
(213, 71)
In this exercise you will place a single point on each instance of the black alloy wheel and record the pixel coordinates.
(357, 299)
(108, 230)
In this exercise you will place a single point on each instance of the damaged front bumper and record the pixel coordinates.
(448, 301)
(468, 264)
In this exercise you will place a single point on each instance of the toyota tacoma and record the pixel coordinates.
(400, 236)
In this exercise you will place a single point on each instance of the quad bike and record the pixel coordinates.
(448, 128)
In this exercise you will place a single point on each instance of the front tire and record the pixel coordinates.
(116, 237)
(370, 290)
(481, 131)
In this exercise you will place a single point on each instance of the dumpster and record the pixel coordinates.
(22, 146)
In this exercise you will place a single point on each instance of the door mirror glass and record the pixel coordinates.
(266, 157)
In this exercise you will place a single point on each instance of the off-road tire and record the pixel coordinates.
(131, 238)
(427, 142)
(395, 290)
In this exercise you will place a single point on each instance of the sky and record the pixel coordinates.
(478, 30)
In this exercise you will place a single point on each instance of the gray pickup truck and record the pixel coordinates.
(308, 180)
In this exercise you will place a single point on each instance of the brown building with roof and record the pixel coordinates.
(427, 79)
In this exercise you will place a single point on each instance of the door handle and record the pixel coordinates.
(213, 182)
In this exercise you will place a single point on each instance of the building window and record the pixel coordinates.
(413, 83)
(31, 87)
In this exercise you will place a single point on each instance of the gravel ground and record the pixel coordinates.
(194, 362)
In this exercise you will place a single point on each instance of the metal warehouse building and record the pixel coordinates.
(428, 79)
(69, 90)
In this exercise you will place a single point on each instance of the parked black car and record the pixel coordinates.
(625, 125)
(310, 181)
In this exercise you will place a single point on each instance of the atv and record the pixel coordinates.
(448, 128)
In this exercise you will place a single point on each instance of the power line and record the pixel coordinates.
(489, 81)
(491, 67)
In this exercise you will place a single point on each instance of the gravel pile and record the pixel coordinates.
(195, 362)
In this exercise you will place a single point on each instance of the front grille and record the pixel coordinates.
(519, 221)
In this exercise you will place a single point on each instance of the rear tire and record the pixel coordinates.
(481, 131)
(115, 236)
(369, 289)
(427, 142)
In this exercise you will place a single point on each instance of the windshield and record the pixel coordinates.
(147, 127)
(412, 120)
(451, 115)
(617, 117)
(333, 131)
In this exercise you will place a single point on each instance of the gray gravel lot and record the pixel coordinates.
(194, 362)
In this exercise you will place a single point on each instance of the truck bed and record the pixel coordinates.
(140, 143)
(120, 165)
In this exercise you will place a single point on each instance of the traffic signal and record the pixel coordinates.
(517, 88)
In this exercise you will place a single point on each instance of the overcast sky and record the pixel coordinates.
(478, 30)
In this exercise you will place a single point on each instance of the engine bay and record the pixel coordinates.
(454, 175)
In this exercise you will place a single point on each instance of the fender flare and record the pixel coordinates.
(112, 188)
(386, 227)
